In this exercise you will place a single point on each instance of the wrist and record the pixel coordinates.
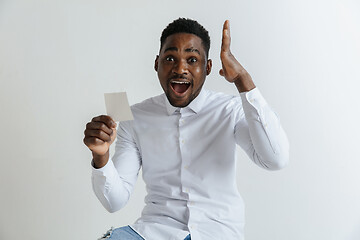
(100, 161)
(244, 82)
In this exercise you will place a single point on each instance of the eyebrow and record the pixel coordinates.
(186, 50)
(170, 49)
(192, 50)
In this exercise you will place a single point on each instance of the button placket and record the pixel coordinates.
(182, 145)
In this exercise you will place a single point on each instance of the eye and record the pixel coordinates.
(192, 59)
(169, 59)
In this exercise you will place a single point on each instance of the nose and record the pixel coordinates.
(181, 67)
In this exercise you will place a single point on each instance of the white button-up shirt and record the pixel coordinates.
(188, 160)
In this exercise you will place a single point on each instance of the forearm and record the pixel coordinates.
(114, 181)
(111, 190)
(270, 144)
(269, 147)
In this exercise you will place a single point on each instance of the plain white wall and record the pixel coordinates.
(57, 58)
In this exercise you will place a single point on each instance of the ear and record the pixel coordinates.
(208, 66)
(156, 63)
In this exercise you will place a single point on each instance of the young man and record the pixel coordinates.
(185, 141)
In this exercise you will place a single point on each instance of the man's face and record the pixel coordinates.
(182, 67)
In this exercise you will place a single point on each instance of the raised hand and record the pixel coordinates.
(100, 133)
(231, 68)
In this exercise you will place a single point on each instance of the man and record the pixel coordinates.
(185, 141)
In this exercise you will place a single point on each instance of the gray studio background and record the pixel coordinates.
(57, 58)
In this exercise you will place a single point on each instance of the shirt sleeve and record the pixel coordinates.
(113, 183)
(258, 131)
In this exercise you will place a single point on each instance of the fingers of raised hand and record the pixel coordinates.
(110, 123)
(92, 141)
(101, 129)
(226, 39)
(97, 133)
(101, 126)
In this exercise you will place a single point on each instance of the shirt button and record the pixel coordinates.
(186, 166)
(182, 141)
(186, 190)
(265, 125)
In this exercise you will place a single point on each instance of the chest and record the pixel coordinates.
(165, 141)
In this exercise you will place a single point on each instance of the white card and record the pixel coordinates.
(117, 106)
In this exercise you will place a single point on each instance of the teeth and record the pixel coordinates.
(179, 82)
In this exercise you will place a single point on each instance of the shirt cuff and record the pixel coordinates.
(254, 98)
(106, 170)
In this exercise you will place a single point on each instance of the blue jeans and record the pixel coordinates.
(125, 233)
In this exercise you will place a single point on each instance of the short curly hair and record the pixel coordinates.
(186, 25)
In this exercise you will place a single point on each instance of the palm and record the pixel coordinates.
(231, 68)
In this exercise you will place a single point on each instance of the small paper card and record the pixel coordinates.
(117, 106)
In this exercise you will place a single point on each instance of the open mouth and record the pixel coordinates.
(179, 86)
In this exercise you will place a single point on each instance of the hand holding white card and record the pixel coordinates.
(117, 106)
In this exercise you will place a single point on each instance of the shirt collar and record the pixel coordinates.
(195, 105)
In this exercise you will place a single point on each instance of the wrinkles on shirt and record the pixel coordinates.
(268, 145)
(174, 212)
